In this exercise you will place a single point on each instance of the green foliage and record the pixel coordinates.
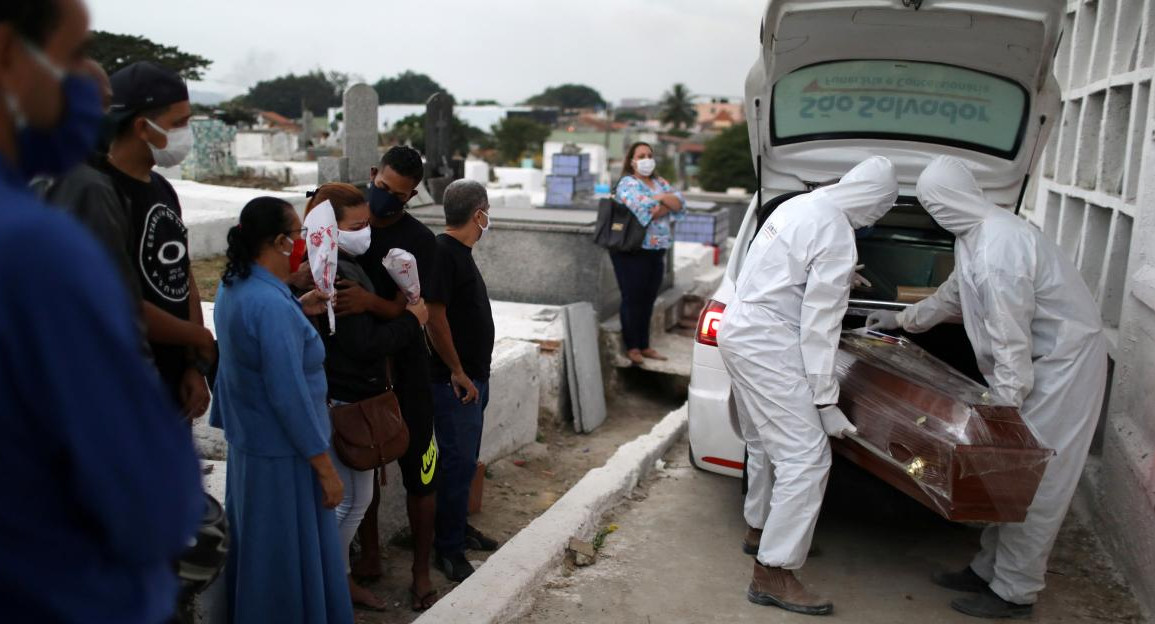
(286, 94)
(568, 96)
(115, 52)
(517, 136)
(483, 103)
(726, 161)
(678, 107)
(408, 87)
(411, 130)
(667, 168)
(628, 115)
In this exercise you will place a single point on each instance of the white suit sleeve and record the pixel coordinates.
(823, 306)
(944, 305)
(1009, 310)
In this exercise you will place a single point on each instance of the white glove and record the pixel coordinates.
(858, 281)
(883, 320)
(834, 422)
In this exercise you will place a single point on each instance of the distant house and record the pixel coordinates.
(268, 120)
(719, 112)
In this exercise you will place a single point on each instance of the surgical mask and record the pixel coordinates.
(646, 166)
(484, 228)
(356, 242)
(382, 203)
(54, 151)
(180, 143)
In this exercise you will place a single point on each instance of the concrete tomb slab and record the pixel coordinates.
(583, 367)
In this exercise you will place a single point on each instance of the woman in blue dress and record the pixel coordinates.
(285, 562)
(656, 204)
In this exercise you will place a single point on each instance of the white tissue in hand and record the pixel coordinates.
(402, 267)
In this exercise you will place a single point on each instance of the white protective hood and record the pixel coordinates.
(866, 193)
(1015, 41)
(948, 191)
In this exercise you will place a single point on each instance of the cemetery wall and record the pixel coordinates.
(1096, 197)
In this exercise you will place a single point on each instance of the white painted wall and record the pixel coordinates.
(1096, 197)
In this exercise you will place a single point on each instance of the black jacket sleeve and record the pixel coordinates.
(365, 338)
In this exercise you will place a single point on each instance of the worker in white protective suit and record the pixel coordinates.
(779, 340)
(1039, 343)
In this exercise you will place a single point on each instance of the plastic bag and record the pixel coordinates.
(402, 267)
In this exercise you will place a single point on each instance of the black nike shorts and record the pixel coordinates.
(419, 463)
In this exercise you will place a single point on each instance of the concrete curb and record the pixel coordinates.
(498, 591)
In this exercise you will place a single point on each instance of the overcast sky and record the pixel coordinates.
(505, 50)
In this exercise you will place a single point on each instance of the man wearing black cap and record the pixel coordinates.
(135, 212)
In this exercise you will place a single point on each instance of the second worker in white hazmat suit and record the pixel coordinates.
(1039, 342)
(778, 339)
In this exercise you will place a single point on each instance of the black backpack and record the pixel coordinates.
(617, 228)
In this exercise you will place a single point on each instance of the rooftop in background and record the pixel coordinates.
(480, 117)
(276, 121)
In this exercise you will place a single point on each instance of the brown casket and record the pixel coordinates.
(933, 433)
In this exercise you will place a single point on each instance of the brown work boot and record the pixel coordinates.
(779, 588)
(751, 541)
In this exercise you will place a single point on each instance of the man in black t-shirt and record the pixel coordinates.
(461, 330)
(135, 212)
(393, 184)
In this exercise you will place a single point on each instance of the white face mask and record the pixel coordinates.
(180, 143)
(356, 242)
(484, 228)
(645, 166)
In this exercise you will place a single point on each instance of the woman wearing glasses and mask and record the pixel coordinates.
(656, 204)
(285, 562)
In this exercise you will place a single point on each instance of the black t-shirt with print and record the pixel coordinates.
(462, 289)
(160, 257)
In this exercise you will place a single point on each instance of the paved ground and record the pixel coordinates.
(676, 558)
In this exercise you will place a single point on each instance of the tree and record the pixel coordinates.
(726, 161)
(568, 96)
(408, 87)
(411, 130)
(677, 107)
(285, 95)
(115, 52)
(516, 136)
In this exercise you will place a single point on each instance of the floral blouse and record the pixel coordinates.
(639, 198)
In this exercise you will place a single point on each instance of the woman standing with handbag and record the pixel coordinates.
(656, 204)
(285, 562)
(357, 357)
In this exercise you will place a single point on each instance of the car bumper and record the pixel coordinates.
(715, 439)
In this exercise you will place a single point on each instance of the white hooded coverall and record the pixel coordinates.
(1039, 342)
(779, 340)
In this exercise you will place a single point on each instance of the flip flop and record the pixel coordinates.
(422, 603)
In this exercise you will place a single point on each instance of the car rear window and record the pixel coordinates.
(926, 102)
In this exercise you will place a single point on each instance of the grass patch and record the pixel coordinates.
(207, 273)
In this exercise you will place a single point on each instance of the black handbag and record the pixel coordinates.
(617, 228)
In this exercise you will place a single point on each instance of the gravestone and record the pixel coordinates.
(332, 169)
(212, 153)
(439, 171)
(583, 367)
(306, 131)
(360, 140)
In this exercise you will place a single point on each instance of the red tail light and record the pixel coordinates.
(710, 322)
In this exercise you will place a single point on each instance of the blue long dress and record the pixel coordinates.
(285, 564)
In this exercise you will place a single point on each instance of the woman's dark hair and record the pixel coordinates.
(262, 220)
(628, 165)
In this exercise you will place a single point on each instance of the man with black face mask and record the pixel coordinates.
(104, 489)
(392, 185)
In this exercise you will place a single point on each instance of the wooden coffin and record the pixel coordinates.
(933, 433)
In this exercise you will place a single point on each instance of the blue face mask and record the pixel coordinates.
(382, 203)
(54, 151)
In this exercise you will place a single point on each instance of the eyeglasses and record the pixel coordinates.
(301, 233)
